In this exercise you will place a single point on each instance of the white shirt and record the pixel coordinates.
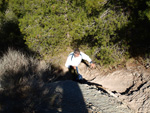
(75, 61)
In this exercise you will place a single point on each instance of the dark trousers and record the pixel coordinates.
(74, 72)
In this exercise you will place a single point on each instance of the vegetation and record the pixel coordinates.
(10, 35)
(107, 29)
(24, 84)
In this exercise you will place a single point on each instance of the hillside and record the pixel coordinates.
(108, 31)
(42, 33)
(129, 84)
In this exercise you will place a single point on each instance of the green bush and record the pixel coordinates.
(10, 35)
(105, 40)
(49, 27)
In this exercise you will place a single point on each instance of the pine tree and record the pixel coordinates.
(52, 25)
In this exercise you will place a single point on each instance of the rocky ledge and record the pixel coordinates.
(131, 85)
(72, 97)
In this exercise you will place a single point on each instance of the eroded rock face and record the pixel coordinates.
(132, 86)
(117, 81)
(138, 97)
(139, 100)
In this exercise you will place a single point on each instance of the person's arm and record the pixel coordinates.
(86, 57)
(92, 65)
(68, 61)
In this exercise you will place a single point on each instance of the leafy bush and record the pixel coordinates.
(56, 25)
(49, 27)
(10, 34)
(107, 47)
(111, 54)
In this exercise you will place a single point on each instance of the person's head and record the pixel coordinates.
(76, 52)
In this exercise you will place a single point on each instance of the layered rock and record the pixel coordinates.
(130, 84)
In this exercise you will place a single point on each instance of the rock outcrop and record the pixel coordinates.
(73, 97)
(130, 84)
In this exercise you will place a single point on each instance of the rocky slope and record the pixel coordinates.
(73, 97)
(131, 84)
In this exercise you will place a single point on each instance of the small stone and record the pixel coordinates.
(93, 107)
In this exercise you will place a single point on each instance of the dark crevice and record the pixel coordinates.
(137, 88)
(128, 92)
(98, 86)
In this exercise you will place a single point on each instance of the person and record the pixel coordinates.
(74, 59)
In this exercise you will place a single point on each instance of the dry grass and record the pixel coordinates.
(24, 81)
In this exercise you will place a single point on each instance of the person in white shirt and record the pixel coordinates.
(74, 59)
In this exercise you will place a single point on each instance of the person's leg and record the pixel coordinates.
(79, 76)
(73, 72)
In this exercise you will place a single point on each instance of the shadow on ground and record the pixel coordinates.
(34, 94)
(69, 98)
(28, 86)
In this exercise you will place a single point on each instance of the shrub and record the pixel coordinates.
(108, 47)
(111, 54)
(24, 83)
